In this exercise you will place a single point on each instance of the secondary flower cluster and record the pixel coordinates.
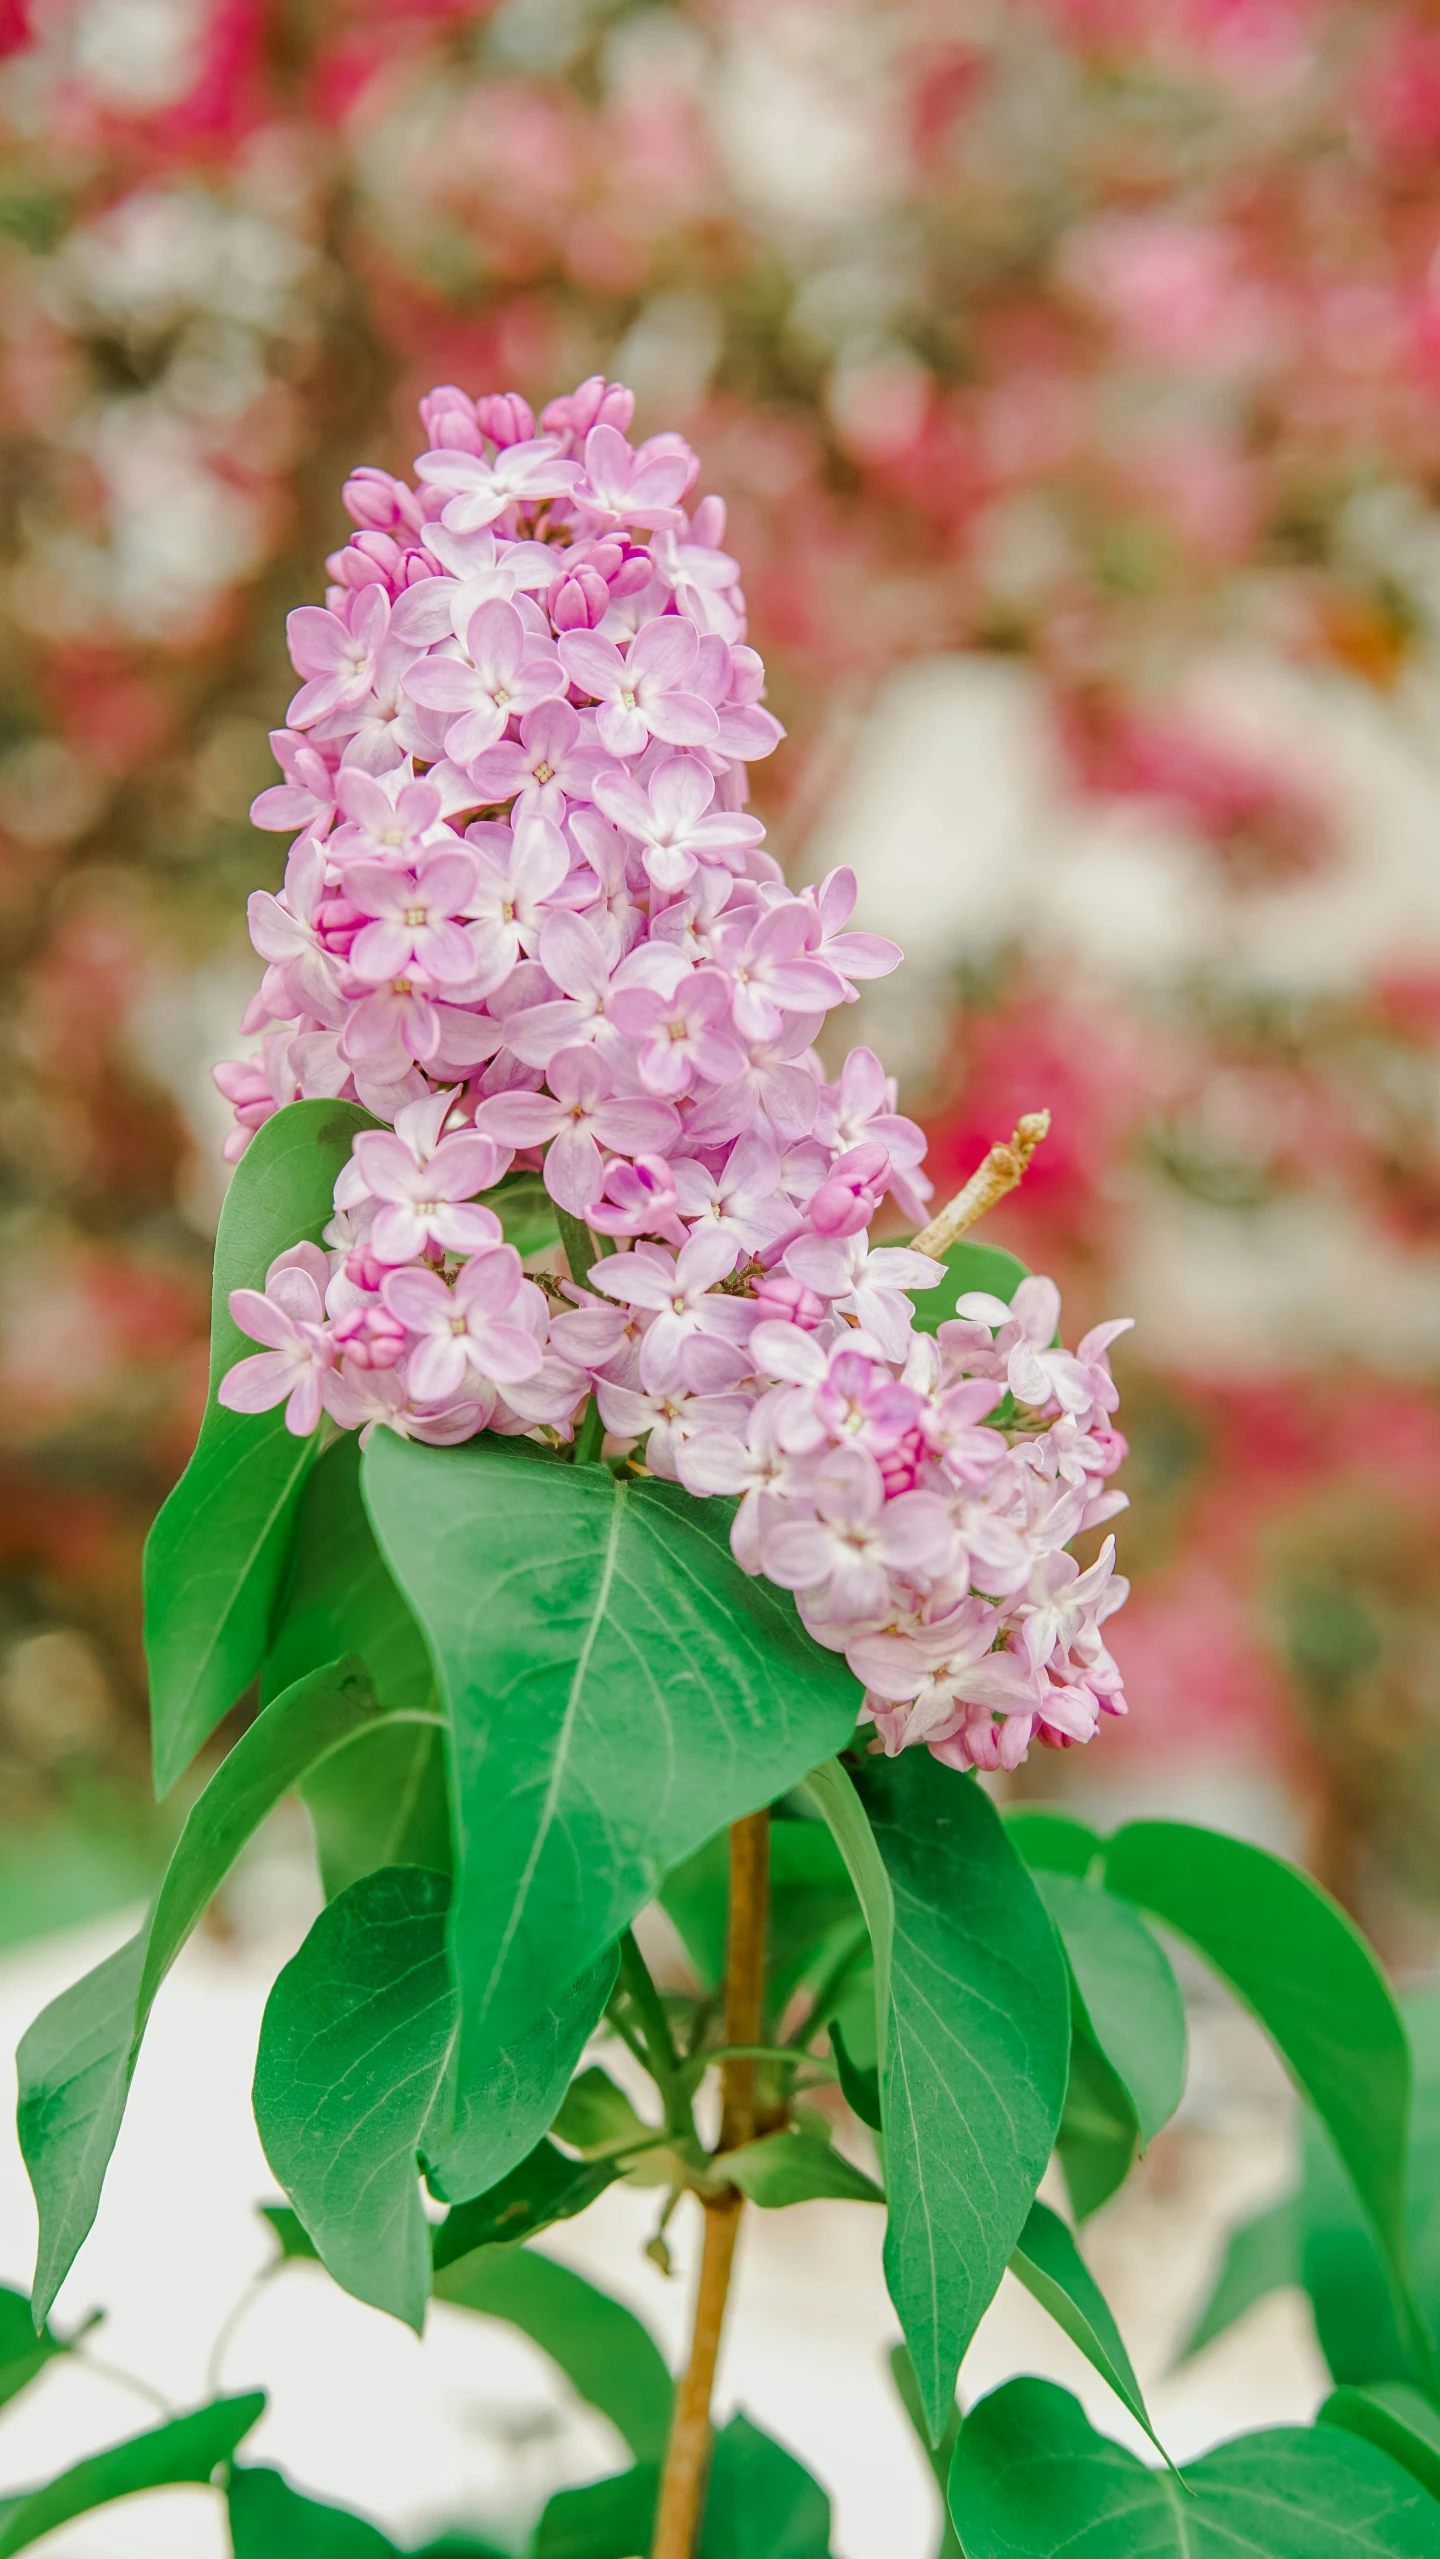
(527, 923)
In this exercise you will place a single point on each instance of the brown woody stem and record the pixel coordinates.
(1004, 1167)
(687, 2455)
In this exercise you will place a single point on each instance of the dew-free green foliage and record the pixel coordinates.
(1099, 2138)
(974, 2037)
(1293, 1957)
(385, 1802)
(1031, 2477)
(75, 2063)
(546, 2187)
(1129, 1997)
(1260, 2256)
(606, 2354)
(1401, 2420)
(795, 2167)
(181, 2453)
(354, 2083)
(617, 1688)
(1050, 2266)
(24, 2351)
(271, 2520)
(759, 2504)
(217, 1554)
(1318, 2237)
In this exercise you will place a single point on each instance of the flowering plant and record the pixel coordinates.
(599, 1487)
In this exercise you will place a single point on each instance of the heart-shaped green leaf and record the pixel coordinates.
(352, 2082)
(618, 1688)
(1031, 2477)
(217, 1554)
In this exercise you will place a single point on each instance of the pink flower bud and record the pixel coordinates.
(596, 403)
(845, 1204)
(788, 1301)
(378, 501)
(578, 601)
(371, 1336)
(505, 418)
(448, 417)
(639, 1198)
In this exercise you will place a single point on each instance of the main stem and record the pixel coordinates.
(687, 2455)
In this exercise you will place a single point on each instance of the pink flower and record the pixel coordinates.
(576, 1118)
(846, 1201)
(672, 821)
(679, 1037)
(425, 1189)
(306, 797)
(467, 1332)
(874, 1287)
(1035, 1370)
(850, 955)
(508, 672)
(773, 973)
(479, 491)
(549, 765)
(640, 1199)
(290, 1319)
(336, 656)
(414, 912)
(621, 486)
(861, 1109)
(854, 1539)
(679, 1292)
(517, 873)
(390, 817)
(743, 1199)
(644, 694)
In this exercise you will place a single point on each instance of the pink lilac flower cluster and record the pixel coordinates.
(527, 924)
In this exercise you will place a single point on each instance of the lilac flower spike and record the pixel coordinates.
(529, 922)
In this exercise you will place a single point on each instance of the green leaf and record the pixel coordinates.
(1057, 1841)
(968, 1266)
(76, 2062)
(1099, 2136)
(760, 2503)
(24, 2349)
(793, 2167)
(1351, 2295)
(609, 2519)
(1261, 2256)
(1050, 2266)
(1401, 2421)
(183, 2452)
(352, 2083)
(353, 2048)
(385, 1801)
(545, 2188)
(1293, 1957)
(605, 2353)
(295, 2241)
(618, 1689)
(938, 2455)
(271, 2520)
(974, 2036)
(1031, 2476)
(1128, 1992)
(761, 2500)
(596, 2115)
(860, 2088)
(216, 1556)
